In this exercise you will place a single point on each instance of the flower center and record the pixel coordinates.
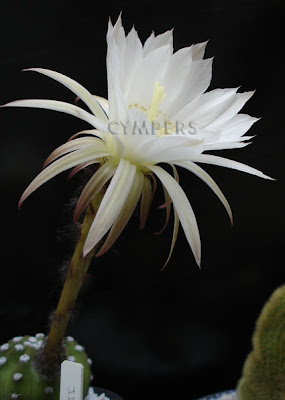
(158, 118)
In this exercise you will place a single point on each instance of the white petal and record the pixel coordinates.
(92, 132)
(154, 42)
(183, 209)
(76, 88)
(93, 186)
(112, 204)
(219, 145)
(208, 180)
(167, 205)
(113, 75)
(131, 59)
(208, 107)
(198, 80)
(151, 70)
(225, 162)
(238, 102)
(61, 107)
(103, 104)
(79, 167)
(116, 32)
(117, 103)
(198, 50)
(176, 222)
(135, 131)
(168, 148)
(174, 237)
(175, 76)
(124, 215)
(70, 146)
(64, 163)
(145, 202)
(237, 127)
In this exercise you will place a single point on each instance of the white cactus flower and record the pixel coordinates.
(158, 111)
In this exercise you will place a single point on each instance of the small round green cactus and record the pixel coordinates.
(19, 377)
(263, 375)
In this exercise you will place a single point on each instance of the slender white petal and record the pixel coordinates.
(154, 184)
(209, 181)
(92, 132)
(174, 236)
(145, 202)
(125, 214)
(112, 204)
(219, 145)
(183, 208)
(167, 206)
(79, 167)
(176, 222)
(70, 146)
(94, 185)
(168, 199)
(225, 162)
(61, 107)
(103, 103)
(76, 88)
(64, 163)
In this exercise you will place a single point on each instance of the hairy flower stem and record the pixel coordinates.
(53, 353)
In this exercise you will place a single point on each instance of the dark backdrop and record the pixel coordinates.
(151, 334)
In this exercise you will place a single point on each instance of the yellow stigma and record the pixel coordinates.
(156, 100)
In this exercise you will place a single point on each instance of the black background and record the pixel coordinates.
(151, 334)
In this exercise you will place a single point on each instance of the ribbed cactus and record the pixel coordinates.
(19, 378)
(263, 375)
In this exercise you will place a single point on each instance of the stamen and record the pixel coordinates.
(156, 100)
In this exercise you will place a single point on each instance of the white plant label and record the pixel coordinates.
(71, 381)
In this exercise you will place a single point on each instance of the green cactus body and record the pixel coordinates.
(20, 380)
(263, 376)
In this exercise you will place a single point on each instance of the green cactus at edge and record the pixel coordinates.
(263, 376)
(19, 378)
